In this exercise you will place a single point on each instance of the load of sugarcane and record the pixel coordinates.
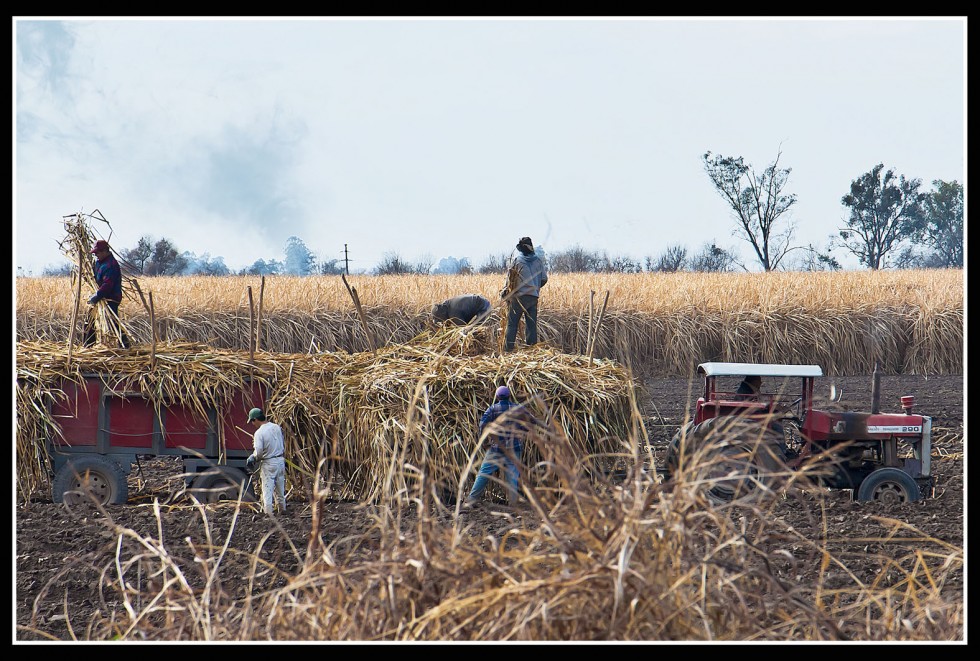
(375, 422)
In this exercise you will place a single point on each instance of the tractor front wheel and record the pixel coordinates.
(888, 485)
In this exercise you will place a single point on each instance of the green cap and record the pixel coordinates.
(255, 414)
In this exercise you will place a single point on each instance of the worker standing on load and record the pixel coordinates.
(269, 446)
(461, 310)
(108, 278)
(526, 277)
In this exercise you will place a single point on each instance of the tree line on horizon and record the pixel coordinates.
(890, 222)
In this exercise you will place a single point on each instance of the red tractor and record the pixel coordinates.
(741, 444)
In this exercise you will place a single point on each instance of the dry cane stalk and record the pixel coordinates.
(602, 312)
(588, 328)
(876, 390)
(251, 327)
(258, 323)
(74, 312)
(506, 302)
(153, 333)
(360, 313)
(136, 286)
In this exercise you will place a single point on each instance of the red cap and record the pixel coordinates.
(100, 245)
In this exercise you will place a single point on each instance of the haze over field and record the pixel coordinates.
(441, 137)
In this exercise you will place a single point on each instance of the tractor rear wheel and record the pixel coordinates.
(735, 460)
(888, 485)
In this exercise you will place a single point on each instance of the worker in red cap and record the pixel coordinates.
(510, 425)
(108, 279)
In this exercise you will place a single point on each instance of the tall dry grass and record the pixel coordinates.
(603, 561)
(606, 559)
(906, 321)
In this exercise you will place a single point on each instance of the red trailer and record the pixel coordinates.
(105, 431)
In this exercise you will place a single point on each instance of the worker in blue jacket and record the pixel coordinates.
(526, 276)
(505, 441)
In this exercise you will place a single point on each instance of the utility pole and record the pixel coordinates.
(346, 261)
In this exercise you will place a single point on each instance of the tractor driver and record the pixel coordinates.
(749, 387)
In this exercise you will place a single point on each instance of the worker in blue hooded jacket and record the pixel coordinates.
(505, 439)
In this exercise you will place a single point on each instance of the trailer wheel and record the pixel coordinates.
(736, 460)
(92, 476)
(221, 483)
(888, 485)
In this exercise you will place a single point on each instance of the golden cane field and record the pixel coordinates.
(379, 411)
(664, 323)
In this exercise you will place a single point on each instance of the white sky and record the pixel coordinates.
(455, 137)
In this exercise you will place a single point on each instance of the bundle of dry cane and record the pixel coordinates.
(77, 246)
(366, 421)
(348, 417)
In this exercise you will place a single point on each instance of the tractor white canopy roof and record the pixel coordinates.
(762, 369)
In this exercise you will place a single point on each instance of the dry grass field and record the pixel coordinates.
(909, 322)
(373, 550)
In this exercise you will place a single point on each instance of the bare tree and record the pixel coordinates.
(59, 271)
(165, 259)
(495, 264)
(671, 260)
(624, 264)
(393, 264)
(575, 260)
(713, 259)
(424, 264)
(758, 202)
(812, 259)
(138, 256)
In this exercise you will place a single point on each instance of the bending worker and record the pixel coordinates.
(461, 310)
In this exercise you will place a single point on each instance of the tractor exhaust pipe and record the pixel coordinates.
(876, 390)
(908, 401)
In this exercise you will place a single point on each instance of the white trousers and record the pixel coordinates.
(273, 474)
